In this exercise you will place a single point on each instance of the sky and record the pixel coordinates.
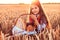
(26, 1)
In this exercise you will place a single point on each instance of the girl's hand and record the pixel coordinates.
(33, 17)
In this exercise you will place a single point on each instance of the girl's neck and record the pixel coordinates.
(37, 15)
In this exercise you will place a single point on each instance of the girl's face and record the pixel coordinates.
(35, 9)
(30, 28)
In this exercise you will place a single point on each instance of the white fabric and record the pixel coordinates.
(17, 30)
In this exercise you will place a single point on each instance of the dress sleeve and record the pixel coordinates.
(16, 30)
(41, 26)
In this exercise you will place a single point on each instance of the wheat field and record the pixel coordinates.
(10, 12)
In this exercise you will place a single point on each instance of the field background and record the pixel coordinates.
(9, 12)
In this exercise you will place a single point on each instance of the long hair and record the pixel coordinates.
(43, 18)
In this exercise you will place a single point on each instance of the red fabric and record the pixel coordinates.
(31, 20)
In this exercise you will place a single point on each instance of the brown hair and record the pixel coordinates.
(43, 18)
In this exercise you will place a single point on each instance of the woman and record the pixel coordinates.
(37, 16)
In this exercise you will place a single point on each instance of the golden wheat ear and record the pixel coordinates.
(1, 35)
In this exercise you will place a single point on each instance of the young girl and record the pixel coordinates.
(37, 16)
(30, 28)
(21, 28)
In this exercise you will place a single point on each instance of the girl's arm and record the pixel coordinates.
(41, 26)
